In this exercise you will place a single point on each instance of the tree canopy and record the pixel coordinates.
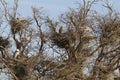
(84, 44)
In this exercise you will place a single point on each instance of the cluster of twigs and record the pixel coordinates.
(110, 28)
(104, 55)
(4, 42)
(63, 40)
(18, 25)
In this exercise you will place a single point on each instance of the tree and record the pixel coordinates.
(90, 42)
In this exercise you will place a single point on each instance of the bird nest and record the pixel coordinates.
(18, 25)
(4, 42)
(62, 40)
(20, 67)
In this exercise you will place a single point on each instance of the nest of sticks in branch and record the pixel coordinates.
(4, 42)
(20, 68)
(63, 40)
(18, 25)
(110, 31)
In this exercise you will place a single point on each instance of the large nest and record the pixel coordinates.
(18, 25)
(4, 42)
(20, 70)
(110, 31)
(63, 40)
(19, 67)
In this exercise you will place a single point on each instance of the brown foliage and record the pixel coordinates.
(18, 25)
(90, 55)
(4, 42)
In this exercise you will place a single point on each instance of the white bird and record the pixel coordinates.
(19, 19)
(17, 53)
(88, 29)
(22, 22)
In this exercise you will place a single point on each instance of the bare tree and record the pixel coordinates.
(89, 41)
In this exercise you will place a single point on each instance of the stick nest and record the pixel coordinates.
(18, 25)
(4, 42)
(63, 40)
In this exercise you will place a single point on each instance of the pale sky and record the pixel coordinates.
(55, 7)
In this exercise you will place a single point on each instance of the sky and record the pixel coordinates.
(50, 7)
(53, 8)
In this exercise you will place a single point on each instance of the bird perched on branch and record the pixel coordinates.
(18, 24)
(16, 54)
(22, 22)
(2, 52)
(88, 29)
(19, 19)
